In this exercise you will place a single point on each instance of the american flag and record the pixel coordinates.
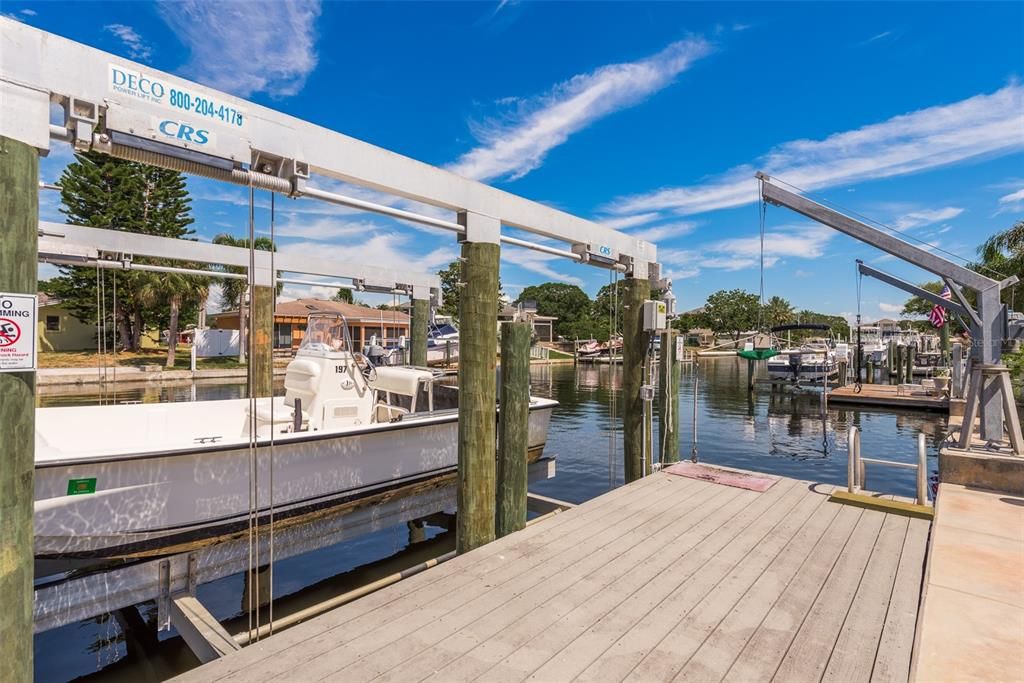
(938, 315)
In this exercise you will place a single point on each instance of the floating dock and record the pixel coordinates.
(889, 396)
(665, 578)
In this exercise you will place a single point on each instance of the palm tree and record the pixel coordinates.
(175, 289)
(778, 311)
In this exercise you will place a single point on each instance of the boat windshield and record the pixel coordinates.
(326, 332)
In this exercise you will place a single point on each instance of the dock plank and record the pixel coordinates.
(767, 646)
(714, 657)
(808, 652)
(676, 648)
(892, 662)
(371, 632)
(653, 616)
(557, 626)
(514, 600)
(665, 578)
(447, 577)
(863, 626)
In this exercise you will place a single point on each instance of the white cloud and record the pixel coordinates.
(1013, 197)
(917, 219)
(628, 221)
(890, 308)
(537, 262)
(742, 253)
(137, 49)
(516, 145)
(247, 47)
(880, 36)
(661, 232)
(1012, 202)
(929, 138)
(28, 12)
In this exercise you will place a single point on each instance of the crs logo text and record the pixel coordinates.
(183, 131)
(136, 84)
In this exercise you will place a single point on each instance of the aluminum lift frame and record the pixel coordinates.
(132, 111)
(990, 395)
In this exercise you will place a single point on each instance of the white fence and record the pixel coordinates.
(214, 343)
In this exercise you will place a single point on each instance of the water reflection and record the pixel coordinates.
(778, 432)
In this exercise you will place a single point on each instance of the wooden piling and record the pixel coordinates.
(900, 365)
(750, 375)
(418, 333)
(634, 292)
(944, 343)
(668, 399)
(478, 342)
(869, 372)
(261, 331)
(513, 428)
(909, 357)
(19, 206)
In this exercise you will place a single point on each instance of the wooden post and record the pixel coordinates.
(478, 341)
(19, 206)
(869, 372)
(634, 348)
(750, 375)
(513, 428)
(900, 365)
(668, 399)
(418, 333)
(909, 357)
(261, 330)
(944, 343)
(891, 358)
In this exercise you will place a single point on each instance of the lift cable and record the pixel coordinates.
(859, 352)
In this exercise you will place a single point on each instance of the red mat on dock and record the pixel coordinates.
(726, 477)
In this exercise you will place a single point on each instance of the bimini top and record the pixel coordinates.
(801, 326)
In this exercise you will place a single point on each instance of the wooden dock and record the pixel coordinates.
(666, 578)
(887, 395)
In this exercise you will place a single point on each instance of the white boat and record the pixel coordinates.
(148, 479)
(812, 362)
(442, 343)
(874, 349)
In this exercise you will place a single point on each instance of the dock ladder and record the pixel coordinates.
(857, 466)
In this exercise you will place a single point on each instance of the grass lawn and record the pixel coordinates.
(89, 359)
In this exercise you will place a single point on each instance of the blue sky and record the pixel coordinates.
(649, 117)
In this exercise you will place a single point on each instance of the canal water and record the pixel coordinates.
(780, 432)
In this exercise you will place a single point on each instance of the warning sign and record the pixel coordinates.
(17, 332)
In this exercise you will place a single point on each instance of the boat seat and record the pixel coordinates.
(281, 416)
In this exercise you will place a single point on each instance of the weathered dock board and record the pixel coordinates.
(668, 578)
(887, 395)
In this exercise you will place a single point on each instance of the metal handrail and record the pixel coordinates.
(856, 465)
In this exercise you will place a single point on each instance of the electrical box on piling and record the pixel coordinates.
(655, 316)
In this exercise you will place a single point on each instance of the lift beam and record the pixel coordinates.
(986, 328)
(76, 244)
(962, 310)
(132, 110)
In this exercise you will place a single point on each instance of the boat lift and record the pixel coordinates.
(134, 112)
(990, 394)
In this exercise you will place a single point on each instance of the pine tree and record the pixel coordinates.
(100, 191)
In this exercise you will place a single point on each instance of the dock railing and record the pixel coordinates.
(856, 468)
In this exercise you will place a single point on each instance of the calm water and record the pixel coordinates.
(780, 433)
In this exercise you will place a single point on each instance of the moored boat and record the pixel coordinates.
(147, 479)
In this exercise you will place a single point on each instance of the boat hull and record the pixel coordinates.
(147, 504)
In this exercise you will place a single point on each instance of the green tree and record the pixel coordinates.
(568, 303)
(451, 288)
(732, 311)
(100, 191)
(778, 311)
(345, 296)
(174, 289)
(232, 290)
